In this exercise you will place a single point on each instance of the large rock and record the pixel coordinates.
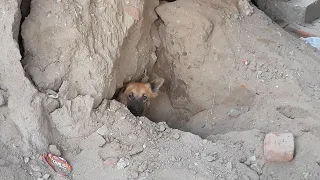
(24, 101)
(87, 47)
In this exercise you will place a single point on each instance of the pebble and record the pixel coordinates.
(2, 99)
(242, 159)
(134, 174)
(229, 166)
(176, 136)
(37, 174)
(203, 154)
(142, 167)
(234, 113)
(34, 166)
(252, 159)
(46, 176)
(256, 168)
(103, 130)
(123, 163)
(26, 159)
(54, 150)
(162, 128)
(136, 150)
(210, 158)
(248, 163)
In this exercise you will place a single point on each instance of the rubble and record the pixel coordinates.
(278, 147)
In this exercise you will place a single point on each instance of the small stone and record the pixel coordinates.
(54, 150)
(123, 163)
(234, 113)
(176, 136)
(35, 167)
(256, 168)
(248, 163)
(252, 159)
(210, 158)
(103, 130)
(26, 159)
(136, 150)
(93, 141)
(46, 176)
(2, 99)
(203, 154)
(229, 166)
(37, 174)
(162, 128)
(278, 147)
(242, 159)
(111, 161)
(142, 167)
(134, 174)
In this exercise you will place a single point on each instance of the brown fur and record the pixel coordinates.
(137, 95)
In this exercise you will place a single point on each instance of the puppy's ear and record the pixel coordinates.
(155, 86)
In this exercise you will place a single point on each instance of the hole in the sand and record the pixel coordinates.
(25, 11)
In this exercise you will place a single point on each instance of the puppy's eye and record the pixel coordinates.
(145, 97)
(131, 96)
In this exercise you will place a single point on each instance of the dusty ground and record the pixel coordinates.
(230, 79)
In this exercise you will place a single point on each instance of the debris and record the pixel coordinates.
(52, 94)
(245, 7)
(123, 163)
(57, 164)
(46, 176)
(210, 158)
(136, 150)
(103, 130)
(229, 166)
(176, 136)
(93, 141)
(142, 167)
(37, 174)
(234, 113)
(252, 159)
(278, 147)
(34, 166)
(256, 168)
(134, 174)
(54, 150)
(313, 41)
(111, 161)
(245, 62)
(162, 128)
(26, 159)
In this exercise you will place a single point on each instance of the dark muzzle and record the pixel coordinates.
(136, 106)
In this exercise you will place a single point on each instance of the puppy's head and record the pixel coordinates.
(137, 95)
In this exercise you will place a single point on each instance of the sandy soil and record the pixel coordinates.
(231, 77)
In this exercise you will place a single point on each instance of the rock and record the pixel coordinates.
(234, 113)
(203, 154)
(2, 99)
(252, 159)
(46, 176)
(136, 150)
(245, 7)
(54, 150)
(123, 163)
(93, 141)
(134, 174)
(103, 130)
(37, 174)
(111, 161)
(34, 166)
(248, 163)
(26, 159)
(162, 128)
(142, 167)
(210, 158)
(256, 168)
(229, 166)
(278, 147)
(176, 136)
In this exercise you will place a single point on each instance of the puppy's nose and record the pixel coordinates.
(136, 107)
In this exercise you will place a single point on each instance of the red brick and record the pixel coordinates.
(278, 147)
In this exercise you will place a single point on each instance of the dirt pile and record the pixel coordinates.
(232, 76)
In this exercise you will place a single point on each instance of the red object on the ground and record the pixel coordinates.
(245, 62)
(278, 147)
(57, 164)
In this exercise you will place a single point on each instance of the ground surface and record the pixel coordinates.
(263, 80)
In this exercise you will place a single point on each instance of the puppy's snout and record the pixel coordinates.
(136, 106)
